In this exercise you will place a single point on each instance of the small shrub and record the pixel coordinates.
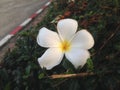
(21, 71)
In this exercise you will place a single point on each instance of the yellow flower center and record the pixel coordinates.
(65, 46)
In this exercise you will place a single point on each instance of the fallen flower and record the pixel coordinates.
(67, 42)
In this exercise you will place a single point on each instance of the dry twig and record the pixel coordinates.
(71, 75)
(109, 38)
(85, 74)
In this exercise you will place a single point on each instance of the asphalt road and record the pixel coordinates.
(14, 12)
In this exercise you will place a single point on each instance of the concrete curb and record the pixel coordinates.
(24, 24)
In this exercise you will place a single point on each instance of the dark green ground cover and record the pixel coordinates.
(20, 69)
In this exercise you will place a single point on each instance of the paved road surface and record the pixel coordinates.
(14, 12)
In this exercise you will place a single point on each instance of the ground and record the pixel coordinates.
(11, 43)
(14, 12)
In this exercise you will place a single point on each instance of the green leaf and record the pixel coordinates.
(67, 65)
(41, 75)
(117, 46)
(28, 70)
(7, 87)
(90, 66)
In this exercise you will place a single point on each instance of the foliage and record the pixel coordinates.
(20, 70)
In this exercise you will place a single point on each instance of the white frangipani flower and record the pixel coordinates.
(67, 42)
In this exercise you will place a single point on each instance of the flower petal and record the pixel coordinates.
(67, 28)
(77, 56)
(47, 38)
(83, 39)
(51, 58)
